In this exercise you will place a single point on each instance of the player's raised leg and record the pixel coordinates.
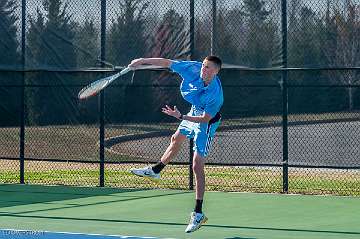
(153, 172)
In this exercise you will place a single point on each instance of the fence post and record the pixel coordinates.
(22, 96)
(101, 97)
(192, 29)
(284, 96)
(192, 34)
(213, 30)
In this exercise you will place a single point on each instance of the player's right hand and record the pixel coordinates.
(136, 62)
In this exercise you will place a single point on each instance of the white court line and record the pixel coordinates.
(29, 234)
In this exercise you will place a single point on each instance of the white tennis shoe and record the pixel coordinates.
(196, 221)
(146, 172)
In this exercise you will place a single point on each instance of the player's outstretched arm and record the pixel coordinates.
(162, 62)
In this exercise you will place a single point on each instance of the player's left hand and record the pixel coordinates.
(172, 112)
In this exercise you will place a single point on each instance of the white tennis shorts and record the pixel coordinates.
(202, 133)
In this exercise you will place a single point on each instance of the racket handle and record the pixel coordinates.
(125, 70)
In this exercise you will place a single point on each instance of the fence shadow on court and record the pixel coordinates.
(16, 195)
(285, 229)
(240, 238)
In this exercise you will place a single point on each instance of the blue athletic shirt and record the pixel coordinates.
(202, 98)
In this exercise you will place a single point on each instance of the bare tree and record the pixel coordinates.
(344, 40)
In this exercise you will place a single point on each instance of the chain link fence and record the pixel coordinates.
(284, 130)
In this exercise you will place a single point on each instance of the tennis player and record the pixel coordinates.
(201, 87)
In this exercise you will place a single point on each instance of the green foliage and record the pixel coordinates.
(127, 41)
(328, 40)
(261, 39)
(126, 35)
(8, 29)
(304, 39)
(170, 37)
(51, 45)
(224, 37)
(51, 37)
(341, 45)
(9, 97)
(88, 44)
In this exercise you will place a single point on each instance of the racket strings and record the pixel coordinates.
(95, 87)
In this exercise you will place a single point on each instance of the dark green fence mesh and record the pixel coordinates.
(51, 49)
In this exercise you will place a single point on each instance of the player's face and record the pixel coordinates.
(208, 70)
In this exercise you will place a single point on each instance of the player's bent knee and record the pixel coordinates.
(175, 139)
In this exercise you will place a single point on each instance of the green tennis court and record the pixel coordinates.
(164, 214)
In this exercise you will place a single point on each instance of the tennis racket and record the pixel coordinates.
(95, 87)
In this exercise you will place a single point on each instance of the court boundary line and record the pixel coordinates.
(7, 231)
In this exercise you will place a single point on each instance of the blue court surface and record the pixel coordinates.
(23, 234)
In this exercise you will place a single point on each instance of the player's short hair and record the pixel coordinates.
(215, 60)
